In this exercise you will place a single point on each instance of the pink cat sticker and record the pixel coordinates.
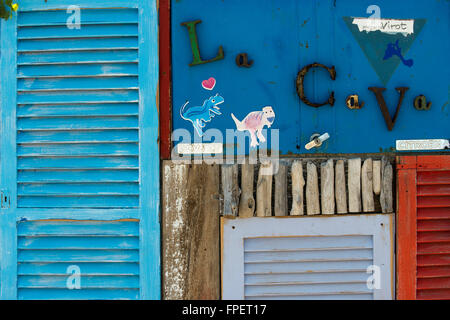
(209, 84)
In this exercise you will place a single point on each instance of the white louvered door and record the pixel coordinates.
(307, 258)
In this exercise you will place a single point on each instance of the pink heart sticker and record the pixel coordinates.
(209, 84)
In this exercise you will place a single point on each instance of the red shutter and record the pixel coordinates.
(423, 227)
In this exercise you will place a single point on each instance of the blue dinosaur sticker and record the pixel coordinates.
(199, 115)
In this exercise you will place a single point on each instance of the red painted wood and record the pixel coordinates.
(430, 272)
(424, 196)
(433, 225)
(433, 177)
(433, 283)
(432, 213)
(433, 237)
(436, 190)
(406, 234)
(165, 80)
(437, 294)
(433, 202)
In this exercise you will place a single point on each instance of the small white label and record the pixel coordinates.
(385, 25)
(200, 148)
(426, 144)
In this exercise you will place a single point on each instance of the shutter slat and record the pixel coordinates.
(59, 17)
(90, 282)
(111, 162)
(78, 149)
(74, 70)
(84, 57)
(85, 294)
(79, 96)
(72, 136)
(73, 123)
(110, 43)
(84, 176)
(433, 202)
(85, 31)
(42, 189)
(433, 225)
(436, 294)
(433, 177)
(80, 83)
(86, 268)
(95, 110)
(432, 213)
(433, 259)
(80, 201)
(79, 243)
(434, 190)
(436, 271)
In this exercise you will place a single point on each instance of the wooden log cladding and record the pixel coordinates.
(386, 200)
(340, 187)
(368, 203)
(190, 231)
(280, 206)
(327, 187)
(264, 190)
(230, 190)
(376, 176)
(298, 183)
(354, 185)
(312, 190)
(247, 202)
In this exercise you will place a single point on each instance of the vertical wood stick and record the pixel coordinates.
(376, 176)
(264, 190)
(312, 190)
(340, 187)
(247, 202)
(280, 205)
(230, 189)
(298, 183)
(367, 186)
(354, 185)
(327, 186)
(386, 200)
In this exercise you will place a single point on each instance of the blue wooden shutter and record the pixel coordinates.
(79, 106)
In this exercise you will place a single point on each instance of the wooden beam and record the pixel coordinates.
(327, 186)
(386, 200)
(264, 190)
(298, 183)
(354, 185)
(368, 203)
(376, 176)
(230, 189)
(247, 201)
(312, 190)
(340, 187)
(280, 205)
(190, 232)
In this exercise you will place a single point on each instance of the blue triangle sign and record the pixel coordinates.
(385, 51)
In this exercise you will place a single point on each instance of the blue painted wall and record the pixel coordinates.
(281, 37)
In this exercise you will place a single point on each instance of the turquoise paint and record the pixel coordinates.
(80, 142)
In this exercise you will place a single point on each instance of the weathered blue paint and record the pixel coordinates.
(281, 37)
(80, 142)
(8, 159)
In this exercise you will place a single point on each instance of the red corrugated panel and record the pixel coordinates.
(423, 228)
